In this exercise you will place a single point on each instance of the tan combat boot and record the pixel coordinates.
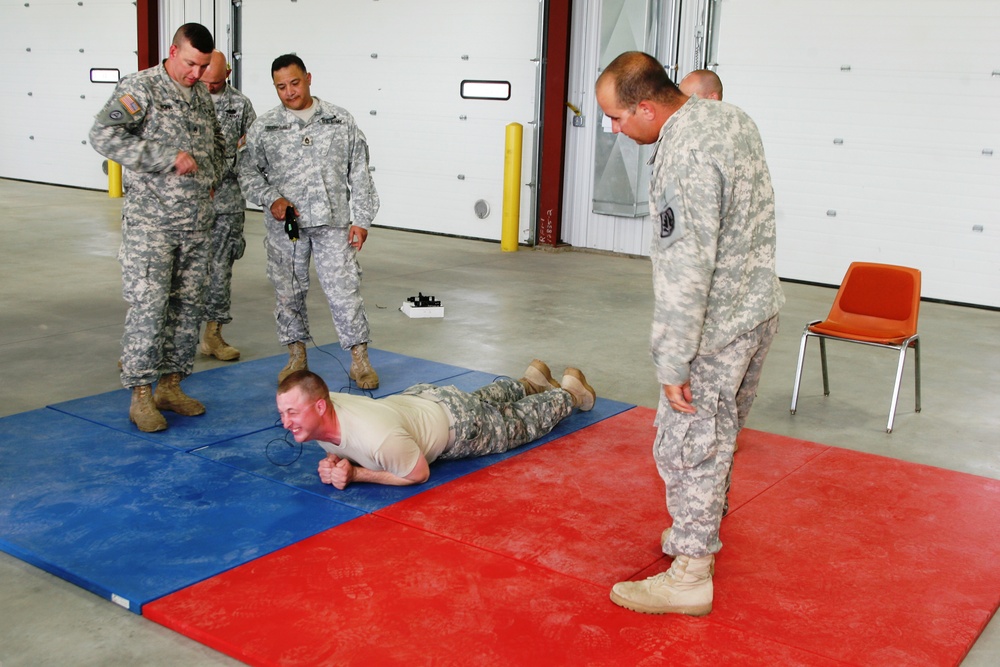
(170, 396)
(361, 369)
(212, 344)
(583, 394)
(297, 360)
(538, 378)
(686, 588)
(143, 413)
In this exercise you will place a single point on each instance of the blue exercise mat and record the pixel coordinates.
(131, 520)
(134, 516)
(239, 398)
(272, 455)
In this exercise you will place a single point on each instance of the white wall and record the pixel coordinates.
(47, 102)
(878, 111)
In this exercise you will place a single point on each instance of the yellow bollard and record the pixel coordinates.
(114, 179)
(511, 188)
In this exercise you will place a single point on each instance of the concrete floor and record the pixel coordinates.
(62, 316)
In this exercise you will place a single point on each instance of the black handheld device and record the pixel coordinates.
(291, 223)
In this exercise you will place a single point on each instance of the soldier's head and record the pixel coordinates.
(636, 94)
(217, 73)
(704, 83)
(292, 81)
(190, 54)
(304, 404)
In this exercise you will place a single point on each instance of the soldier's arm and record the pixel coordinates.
(684, 264)
(252, 160)
(116, 132)
(219, 155)
(364, 197)
(344, 473)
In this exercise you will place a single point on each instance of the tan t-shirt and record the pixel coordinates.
(389, 433)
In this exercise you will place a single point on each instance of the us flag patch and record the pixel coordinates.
(130, 104)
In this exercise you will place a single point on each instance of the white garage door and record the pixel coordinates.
(881, 121)
(397, 66)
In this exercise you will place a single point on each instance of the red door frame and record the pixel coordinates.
(553, 125)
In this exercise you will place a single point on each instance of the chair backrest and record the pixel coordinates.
(873, 293)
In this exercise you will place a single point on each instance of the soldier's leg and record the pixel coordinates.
(501, 391)
(146, 257)
(288, 271)
(748, 389)
(184, 312)
(505, 419)
(227, 246)
(340, 276)
(694, 453)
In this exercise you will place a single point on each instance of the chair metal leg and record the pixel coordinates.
(826, 376)
(895, 389)
(798, 369)
(916, 369)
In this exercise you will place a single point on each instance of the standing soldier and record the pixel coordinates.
(717, 300)
(160, 125)
(309, 156)
(235, 114)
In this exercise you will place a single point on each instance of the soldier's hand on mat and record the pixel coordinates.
(278, 208)
(184, 164)
(326, 467)
(357, 236)
(342, 474)
(679, 396)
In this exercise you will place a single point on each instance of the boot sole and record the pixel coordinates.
(698, 610)
(196, 412)
(147, 430)
(579, 382)
(362, 386)
(208, 352)
(540, 376)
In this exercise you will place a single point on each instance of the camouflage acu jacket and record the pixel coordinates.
(143, 126)
(713, 248)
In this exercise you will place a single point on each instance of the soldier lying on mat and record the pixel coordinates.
(392, 440)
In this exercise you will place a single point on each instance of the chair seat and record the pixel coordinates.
(863, 328)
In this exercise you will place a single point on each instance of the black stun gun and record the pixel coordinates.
(291, 223)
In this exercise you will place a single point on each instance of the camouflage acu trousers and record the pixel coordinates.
(227, 246)
(339, 276)
(163, 281)
(497, 417)
(694, 453)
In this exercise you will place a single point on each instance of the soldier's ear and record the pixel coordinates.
(645, 110)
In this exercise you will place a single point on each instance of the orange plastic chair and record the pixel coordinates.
(877, 304)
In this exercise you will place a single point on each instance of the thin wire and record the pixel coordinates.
(283, 439)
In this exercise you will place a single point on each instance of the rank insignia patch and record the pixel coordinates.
(667, 223)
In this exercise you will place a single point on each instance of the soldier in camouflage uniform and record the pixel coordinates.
(393, 439)
(717, 299)
(310, 156)
(160, 125)
(235, 114)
